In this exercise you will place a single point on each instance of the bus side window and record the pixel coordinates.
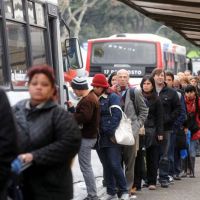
(38, 46)
(166, 59)
(1, 60)
(18, 53)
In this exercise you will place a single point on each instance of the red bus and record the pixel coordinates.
(138, 53)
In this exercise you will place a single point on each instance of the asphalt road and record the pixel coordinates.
(185, 189)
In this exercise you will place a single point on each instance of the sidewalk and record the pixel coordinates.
(186, 189)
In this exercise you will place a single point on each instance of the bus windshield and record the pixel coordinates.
(123, 52)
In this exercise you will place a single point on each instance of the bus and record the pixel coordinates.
(138, 53)
(29, 36)
(179, 59)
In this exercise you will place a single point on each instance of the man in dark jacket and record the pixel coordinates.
(174, 150)
(172, 109)
(8, 145)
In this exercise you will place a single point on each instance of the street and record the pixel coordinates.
(186, 189)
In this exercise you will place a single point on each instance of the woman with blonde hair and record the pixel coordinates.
(184, 82)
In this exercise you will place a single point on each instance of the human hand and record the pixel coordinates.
(26, 158)
(185, 130)
(113, 139)
(69, 104)
(142, 131)
(160, 137)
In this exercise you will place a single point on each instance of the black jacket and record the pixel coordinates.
(171, 106)
(51, 134)
(154, 122)
(8, 150)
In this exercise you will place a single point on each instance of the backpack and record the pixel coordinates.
(132, 97)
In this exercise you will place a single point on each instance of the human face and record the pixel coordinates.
(40, 89)
(77, 92)
(159, 78)
(147, 86)
(122, 78)
(176, 84)
(180, 75)
(98, 90)
(190, 95)
(193, 82)
(169, 81)
(183, 84)
(114, 80)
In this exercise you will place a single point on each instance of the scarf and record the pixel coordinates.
(191, 105)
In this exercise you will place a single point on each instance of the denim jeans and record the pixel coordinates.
(111, 160)
(171, 151)
(164, 161)
(84, 157)
(193, 148)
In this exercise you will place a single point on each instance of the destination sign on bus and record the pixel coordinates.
(134, 71)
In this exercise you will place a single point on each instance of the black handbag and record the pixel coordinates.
(181, 139)
(191, 122)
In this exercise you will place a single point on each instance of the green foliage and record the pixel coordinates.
(111, 17)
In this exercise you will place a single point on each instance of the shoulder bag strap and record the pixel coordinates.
(116, 106)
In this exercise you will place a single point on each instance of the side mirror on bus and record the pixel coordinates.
(73, 51)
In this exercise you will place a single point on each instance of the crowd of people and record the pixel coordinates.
(165, 115)
(165, 118)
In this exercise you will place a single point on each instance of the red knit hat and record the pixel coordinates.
(100, 80)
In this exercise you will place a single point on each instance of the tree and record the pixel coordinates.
(74, 12)
(94, 19)
(111, 18)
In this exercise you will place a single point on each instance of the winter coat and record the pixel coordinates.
(154, 122)
(183, 115)
(108, 122)
(8, 141)
(139, 118)
(191, 110)
(51, 134)
(87, 115)
(171, 105)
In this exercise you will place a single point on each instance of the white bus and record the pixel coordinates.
(30, 35)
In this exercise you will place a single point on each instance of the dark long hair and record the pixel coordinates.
(110, 77)
(192, 88)
(150, 79)
(152, 95)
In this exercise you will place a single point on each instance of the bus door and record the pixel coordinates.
(29, 35)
